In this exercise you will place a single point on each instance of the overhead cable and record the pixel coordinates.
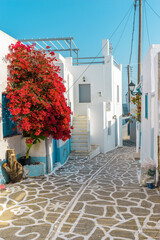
(152, 9)
(147, 24)
(134, 17)
(122, 32)
(128, 11)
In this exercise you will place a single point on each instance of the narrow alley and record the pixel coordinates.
(85, 199)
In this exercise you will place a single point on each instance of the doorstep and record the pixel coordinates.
(95, 150)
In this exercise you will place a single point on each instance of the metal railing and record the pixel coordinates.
(64, 44)
(88, 60)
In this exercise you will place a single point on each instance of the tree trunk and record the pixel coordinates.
(13, 167)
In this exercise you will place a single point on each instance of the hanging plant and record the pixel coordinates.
(36, 95)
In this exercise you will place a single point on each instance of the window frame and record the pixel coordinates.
(146, 105)
(109, 128)
(84, 84)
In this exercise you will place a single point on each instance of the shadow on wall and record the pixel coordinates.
(133, 131)
(62, 152)
(126, 131)
(113, 134)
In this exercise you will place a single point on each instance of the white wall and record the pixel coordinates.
(37, 150)
(99, 119)
(110, 139)
(17, 142)
(99, 76)
(97, 125)
(92, 75)
(68, 83)
(103, 78)
(149, 126)
(117, 105)
(14, 141)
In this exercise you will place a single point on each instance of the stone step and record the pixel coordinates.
(80, 124)
(79, 133)
(83, 124)
(83, 136)
(79, 129)
(79, 140)
(79, 148)
(80, 117)
(80, 120)
(79, 144)
(94, 151)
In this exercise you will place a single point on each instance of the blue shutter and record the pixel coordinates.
(146, 105)
(8, 123)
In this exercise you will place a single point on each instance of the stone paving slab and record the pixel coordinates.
(85, 199)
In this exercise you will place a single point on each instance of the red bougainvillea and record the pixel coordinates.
(136, 113)
(36, 93)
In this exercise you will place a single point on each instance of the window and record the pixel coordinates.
(9, 127)
(109, 127)
(84, 93)
(117, 93)
(146, 105)
(108, 106)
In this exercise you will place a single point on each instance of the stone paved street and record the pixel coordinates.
(85, 199)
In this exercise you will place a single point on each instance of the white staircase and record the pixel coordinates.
(80, 140)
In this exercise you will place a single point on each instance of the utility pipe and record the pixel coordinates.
(47, 154)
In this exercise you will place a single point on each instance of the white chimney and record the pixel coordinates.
(105, 46)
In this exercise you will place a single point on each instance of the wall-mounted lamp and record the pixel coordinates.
(84, 79)
(131, 86)
(100, 94)
(134, 91)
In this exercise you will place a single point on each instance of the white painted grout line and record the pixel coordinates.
(74, 201)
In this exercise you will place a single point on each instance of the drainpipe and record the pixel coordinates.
(47, 154)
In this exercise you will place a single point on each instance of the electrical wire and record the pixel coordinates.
(130, 8)
(128, 11)
(152, 9)
(147, 24)
(122, 32)
(143, 28)
(134, 17)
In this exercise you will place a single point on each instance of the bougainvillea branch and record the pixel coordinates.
(36, 93)
(136, 113)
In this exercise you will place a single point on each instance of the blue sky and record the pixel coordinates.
(88, 21)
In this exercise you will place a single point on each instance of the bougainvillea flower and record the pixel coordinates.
(36, 93)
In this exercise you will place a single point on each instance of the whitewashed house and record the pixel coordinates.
(94, 93)
(97, 102)
(150, 120)
(57, 151)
